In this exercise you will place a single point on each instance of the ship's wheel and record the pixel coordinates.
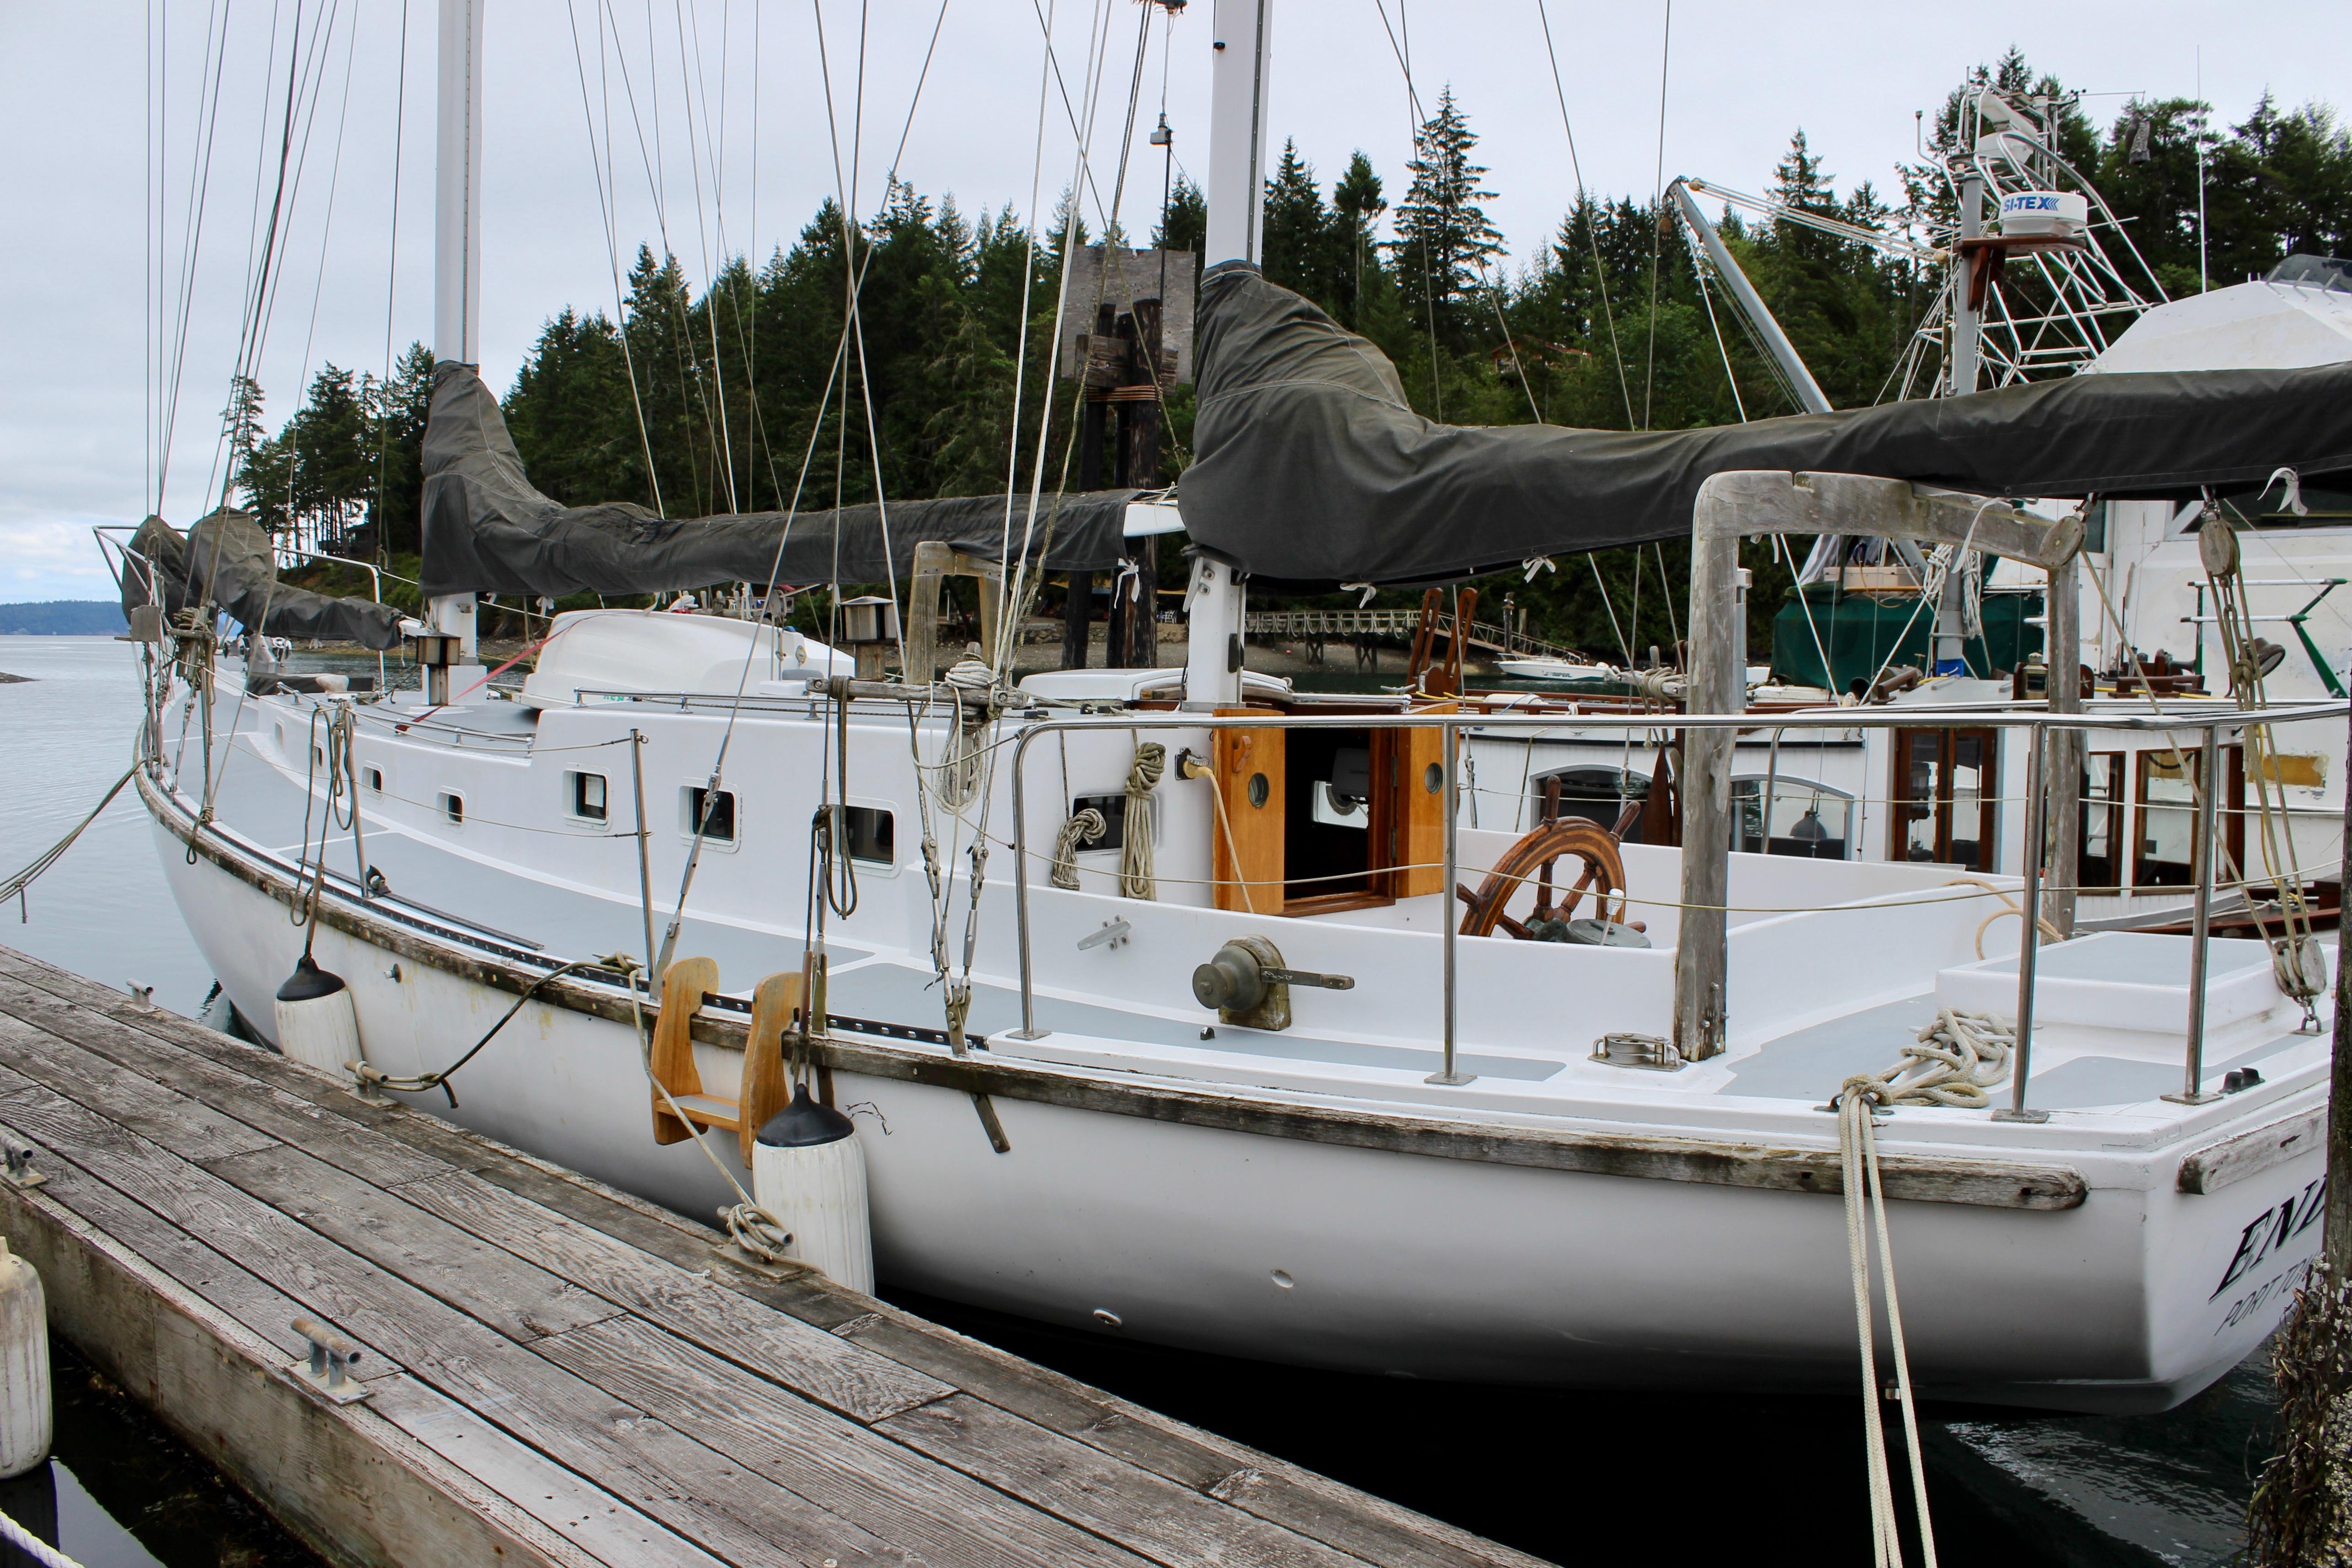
(1532, 862)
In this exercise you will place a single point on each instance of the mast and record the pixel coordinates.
(457, 234)
(1216, 598)
(1237, 83)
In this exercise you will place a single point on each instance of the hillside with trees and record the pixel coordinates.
(732, 398)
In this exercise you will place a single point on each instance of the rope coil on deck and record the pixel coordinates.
(1954, 1060)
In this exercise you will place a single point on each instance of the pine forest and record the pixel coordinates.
(727, 399)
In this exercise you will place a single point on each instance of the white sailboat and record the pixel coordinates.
(1237, 1072)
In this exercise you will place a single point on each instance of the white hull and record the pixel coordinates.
(1395, 1263)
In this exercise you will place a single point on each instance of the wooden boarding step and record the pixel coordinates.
(766, 1087)
(558, 1373)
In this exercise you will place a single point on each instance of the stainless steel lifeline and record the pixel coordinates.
(2211, 724)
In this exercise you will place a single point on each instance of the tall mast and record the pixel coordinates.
(1216, 600)
(1237, 95)
(457, 231)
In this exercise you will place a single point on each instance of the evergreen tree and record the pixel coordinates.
(1357, 203)
(1295, 250)
(1445, 239)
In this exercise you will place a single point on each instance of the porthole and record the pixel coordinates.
(1260, 792)
(374, 779)
(1432, 779)
(588, 797)
(716, 824)
(453, 806)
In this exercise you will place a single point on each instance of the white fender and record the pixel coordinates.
(808, 1168)
(317, 1024)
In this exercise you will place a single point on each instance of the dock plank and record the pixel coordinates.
(857, 1472)
(490, 1284)
(608, 1530)
(689, 1487)
(140, 1104)
(327, 1132)
(834, 1372)
(1171, 1524)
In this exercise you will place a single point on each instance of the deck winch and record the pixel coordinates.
(1248, 984)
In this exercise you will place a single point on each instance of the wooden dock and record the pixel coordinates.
(554, 1372)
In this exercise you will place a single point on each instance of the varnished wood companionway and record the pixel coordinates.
(554, 1372)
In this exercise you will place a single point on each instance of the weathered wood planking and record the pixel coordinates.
(572, 1375)
(2233, 1159)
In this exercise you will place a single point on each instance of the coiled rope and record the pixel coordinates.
(1086, 827)
(1955, 1059)
(1136, 874)
(959, 769)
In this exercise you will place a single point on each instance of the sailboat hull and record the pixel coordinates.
(1363, 1259)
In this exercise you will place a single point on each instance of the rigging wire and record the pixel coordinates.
(605, 202)
(1657, 216)
(391, 283)
(1591, 228)
(192, 230)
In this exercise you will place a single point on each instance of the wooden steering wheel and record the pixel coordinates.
(1531, 860)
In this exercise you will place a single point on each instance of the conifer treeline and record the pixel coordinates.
(732, 398)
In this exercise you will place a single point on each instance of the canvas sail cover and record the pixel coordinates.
(1310, 469)
(486, 530)
(226, 560)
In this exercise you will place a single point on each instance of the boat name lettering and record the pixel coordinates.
(2273, 1228)
(2245, 1306)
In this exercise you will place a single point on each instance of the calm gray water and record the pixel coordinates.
(1555, 1474)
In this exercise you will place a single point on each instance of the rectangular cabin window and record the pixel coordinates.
(374, 777)
(453, 806)
(873, 836)
(1945, 797)
(2165, 840)
(588, 797)
(720, 827)
(2103, 823)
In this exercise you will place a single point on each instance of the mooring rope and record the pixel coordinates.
(1955, 1059)
(33, 1546)
(14, 887)
(1858, 1155)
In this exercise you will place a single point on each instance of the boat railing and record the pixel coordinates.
(2208, 720)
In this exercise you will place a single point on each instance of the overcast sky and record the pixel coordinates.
(75, 409)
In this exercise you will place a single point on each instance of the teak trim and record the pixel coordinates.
(1716, 1162)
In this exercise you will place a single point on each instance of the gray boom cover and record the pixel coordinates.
(1310, 469)
(225, 557)
(486, 530)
